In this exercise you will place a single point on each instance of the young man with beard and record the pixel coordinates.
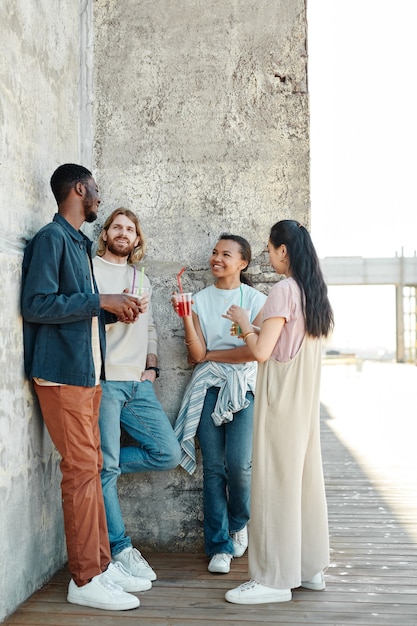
(64, 345)
(129, 398)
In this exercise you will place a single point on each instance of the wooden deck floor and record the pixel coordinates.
(371, 489)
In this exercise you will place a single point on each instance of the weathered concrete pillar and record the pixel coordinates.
(200, 123)
(201, 126)
(40, 129)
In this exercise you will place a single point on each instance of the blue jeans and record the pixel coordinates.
(135, 406)
(227, 465)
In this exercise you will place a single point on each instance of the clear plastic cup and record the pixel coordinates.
(140, 291)
(235, 329)
(184, 303)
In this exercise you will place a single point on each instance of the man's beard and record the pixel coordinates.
(90, 215)
(90, 212)
(112, 247)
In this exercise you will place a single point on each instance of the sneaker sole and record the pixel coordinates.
(314, 586)
(219, 571)
(144, 585)
(265, 599)
(122, 606)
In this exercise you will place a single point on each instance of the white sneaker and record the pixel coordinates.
(102, 593)
(316, 583)
(240, 541)
(253, 592)
(120, 576)
(135, 564)
(220, 563)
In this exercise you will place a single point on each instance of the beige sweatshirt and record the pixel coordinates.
(127, 344)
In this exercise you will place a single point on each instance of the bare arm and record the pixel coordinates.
(263, 344)
(260, 342)
(240, 354)
(194, 339)
(151, 361)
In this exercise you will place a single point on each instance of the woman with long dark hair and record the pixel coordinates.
(288, 534)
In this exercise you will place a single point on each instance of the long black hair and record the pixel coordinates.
(245, 251)
(306, 271)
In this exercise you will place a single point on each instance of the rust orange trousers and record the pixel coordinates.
(71, 417)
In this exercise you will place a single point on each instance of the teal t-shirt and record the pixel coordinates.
(211, 303)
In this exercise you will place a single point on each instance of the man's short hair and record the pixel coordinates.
(66, 177)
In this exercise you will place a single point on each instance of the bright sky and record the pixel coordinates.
(363, 97)
(363, 100)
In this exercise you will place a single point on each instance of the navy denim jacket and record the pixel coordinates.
(58, 305)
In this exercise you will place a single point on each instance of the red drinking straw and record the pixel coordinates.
(179, 279)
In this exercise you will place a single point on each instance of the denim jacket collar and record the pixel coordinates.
(73, 232)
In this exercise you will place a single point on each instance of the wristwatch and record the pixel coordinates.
(155, 369)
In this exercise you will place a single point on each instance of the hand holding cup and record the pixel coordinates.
(181, 303)
(123, 305)
(143, 294)
(238, 317)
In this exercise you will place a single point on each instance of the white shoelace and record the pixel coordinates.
(120, 567)
(136, 556)
(240, 537)
(249, 585)
(105, 581)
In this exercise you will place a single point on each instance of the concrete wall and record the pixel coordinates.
(200, 124)
(40, 119)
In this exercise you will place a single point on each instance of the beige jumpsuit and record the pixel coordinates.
(288, 532)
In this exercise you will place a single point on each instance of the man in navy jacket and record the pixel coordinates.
(64, 345)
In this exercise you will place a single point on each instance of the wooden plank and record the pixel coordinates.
(371, 580)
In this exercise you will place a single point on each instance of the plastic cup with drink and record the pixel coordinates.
(235, 329)
(139, 290)
(183, 301)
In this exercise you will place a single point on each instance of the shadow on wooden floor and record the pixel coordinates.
(371, 580)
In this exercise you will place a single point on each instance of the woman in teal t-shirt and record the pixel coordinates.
(218, 401)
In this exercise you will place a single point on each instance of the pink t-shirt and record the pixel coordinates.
(284, 300)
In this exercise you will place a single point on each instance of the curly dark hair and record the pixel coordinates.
(66, 177)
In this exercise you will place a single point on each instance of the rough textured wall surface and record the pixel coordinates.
(201, 125)
(39, 120)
